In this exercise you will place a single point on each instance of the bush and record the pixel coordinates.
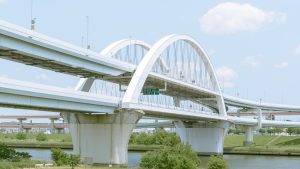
(159, 137)
(73, 160)
(41, 137)
(59, 157)
(217, 162)
(7, 153)
(21, 136)
(177, 157)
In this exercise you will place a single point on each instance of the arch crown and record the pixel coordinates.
(178, 57)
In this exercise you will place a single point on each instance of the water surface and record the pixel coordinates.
(234, 161)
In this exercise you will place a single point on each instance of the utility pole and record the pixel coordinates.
(32, 20)
(87, 32)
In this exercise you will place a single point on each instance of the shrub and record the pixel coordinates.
(217, 162)
(21, 136)
(41, 137)
(7, 153)
(59, 157)
(159, 137)
(73, 160)
(177, 157)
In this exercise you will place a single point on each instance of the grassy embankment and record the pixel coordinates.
(18, 164)
(233, 144)
(87, 167)
(53, 140)
(31, 164)
(280, 145)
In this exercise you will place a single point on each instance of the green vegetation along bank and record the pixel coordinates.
(263, 144)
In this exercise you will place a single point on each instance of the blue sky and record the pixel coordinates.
(254, 45)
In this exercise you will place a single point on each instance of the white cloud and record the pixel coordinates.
(41, 76)
(229, 17)
(225, 76)
(252, 61)
(281, 65)
(297, 50)
(2, 1)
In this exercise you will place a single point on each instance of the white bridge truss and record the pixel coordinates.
(176, 69)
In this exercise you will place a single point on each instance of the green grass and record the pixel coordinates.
(264, 144)
(53, 140)
(237, 140)
(87, 167)
(20, 164)
(282, 143)
(31, 136)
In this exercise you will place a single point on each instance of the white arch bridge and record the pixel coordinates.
(172, 79)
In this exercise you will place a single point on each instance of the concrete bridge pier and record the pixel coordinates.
(60, 130)
(21, 126)
(27, 130)
(52, 125)
(102, 139)
(205, 138)
(249, 135)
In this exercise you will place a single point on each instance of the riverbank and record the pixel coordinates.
(263, 145)
(88, 167)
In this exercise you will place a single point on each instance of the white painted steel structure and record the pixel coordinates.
(176, 66)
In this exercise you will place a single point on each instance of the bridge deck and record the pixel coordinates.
(21, 45)
(26, 95)
(243, 103)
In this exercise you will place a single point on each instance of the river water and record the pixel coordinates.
(233, 161)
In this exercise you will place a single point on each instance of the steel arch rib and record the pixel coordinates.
(118, 45)
(85, 84)
(136, 84)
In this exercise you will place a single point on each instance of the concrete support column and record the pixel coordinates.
(21, 127)
(102, 139)
(59, 130)
(248, 135)
(259, 119)
(27, 130)
(204, 138)
(52, 125)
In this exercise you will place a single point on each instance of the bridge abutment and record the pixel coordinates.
(204, 138)
(102, 139)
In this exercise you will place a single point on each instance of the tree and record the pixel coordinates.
(41, 137)
(262, 131)
(271, 131)
(178, 157)
(290, 131)
(159, 137)
(217, 162)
